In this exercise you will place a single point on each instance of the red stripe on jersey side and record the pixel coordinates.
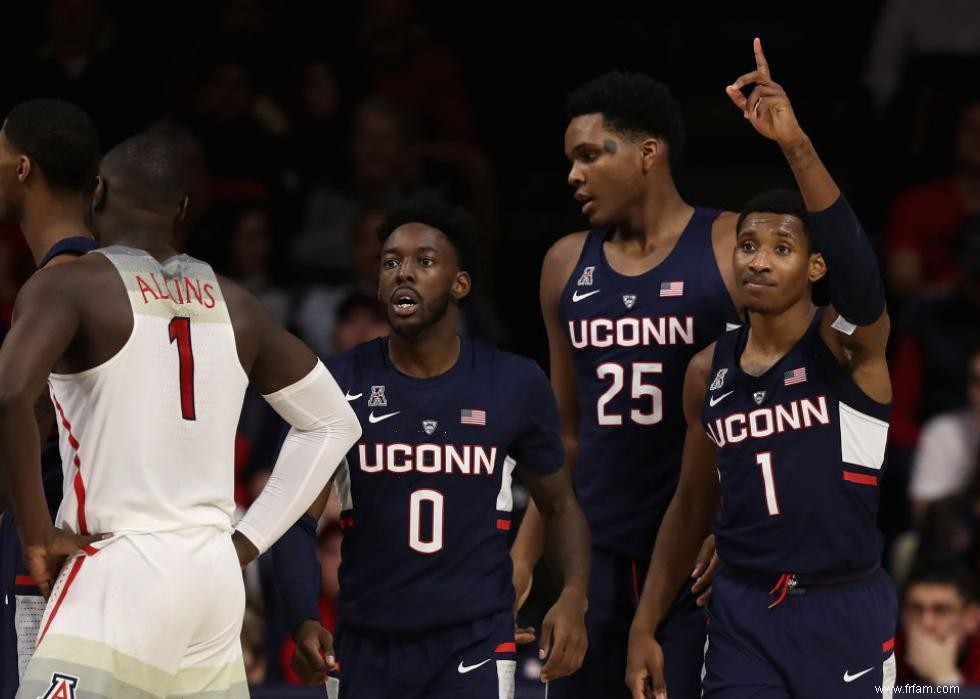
(77, 482)
(24, 580)
(57, 605)
(347, 521)
(503, 524)
(860, 478)
(90, 550)
(888, 645)
(506, 648)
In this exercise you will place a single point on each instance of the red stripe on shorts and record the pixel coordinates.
(860, 478)
(57, 605)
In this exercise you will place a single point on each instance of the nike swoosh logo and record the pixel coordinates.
(715, 400)
(576, 297)
(372, 418)
(463, 669)
(355, 397)
(848, 677)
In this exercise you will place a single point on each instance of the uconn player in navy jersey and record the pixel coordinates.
(792, 411)
(626, 305)
(426, 597)
(49, 150)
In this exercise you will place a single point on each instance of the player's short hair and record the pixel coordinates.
(149, 166)
(945, 573)
(59, 138)
(777, 201)
(454, 222)
(634, 105)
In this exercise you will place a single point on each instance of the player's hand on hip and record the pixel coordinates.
(645, 667)
(704, 571)
(244, 549)
(563, 637)
(44, 562)
(314, 656)
(767, 107)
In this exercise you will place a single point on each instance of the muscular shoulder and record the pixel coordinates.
(68, 281)
(723, 228)
(700, 365)
(560, 260)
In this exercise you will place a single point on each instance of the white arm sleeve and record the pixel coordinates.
(324, 428)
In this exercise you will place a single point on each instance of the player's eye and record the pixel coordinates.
(389, 263)
(747, 247)
(783, 249)
(427, 261)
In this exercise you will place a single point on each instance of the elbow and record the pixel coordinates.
(14, 401)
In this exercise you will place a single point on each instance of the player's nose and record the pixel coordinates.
(575, 178)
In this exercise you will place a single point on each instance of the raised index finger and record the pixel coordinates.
(760, 58)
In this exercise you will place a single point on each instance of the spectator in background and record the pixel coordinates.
(924, 219)
(910, 28)
(938, 642)
(317, 140)
(359, 319)
(946, 460)
(934, 343)
(249, 260)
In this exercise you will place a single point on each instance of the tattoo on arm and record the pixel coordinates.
(802, 156)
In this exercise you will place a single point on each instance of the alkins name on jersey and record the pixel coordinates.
(761, 423)
(469, 460)
(631, 332)
(181, 290)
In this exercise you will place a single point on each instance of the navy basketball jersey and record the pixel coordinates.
(800, 455)
(426, 492)
(631, 340)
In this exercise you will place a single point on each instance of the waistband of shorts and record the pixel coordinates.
(799, 582)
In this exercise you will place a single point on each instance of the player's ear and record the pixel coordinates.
(652, 151)
(462, 286)
(818, 268)
(23, 168)
(100, 193)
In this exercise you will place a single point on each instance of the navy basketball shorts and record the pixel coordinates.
(824, 641)
(614, 586)
(475, 660)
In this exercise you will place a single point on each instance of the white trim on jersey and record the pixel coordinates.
(506, 670)
(505, 498)
(862, 438)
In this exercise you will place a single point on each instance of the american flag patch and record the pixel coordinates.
(795, 376)
(671, 289)
(473, 417)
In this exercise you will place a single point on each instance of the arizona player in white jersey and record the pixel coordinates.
(149, 355)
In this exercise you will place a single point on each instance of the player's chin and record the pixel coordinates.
(406, 325)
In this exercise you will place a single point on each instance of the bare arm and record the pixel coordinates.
(46, 321)
(684, 528)
(558, 266)
(563, 636)
(861, 346)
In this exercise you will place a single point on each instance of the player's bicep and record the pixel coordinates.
(859, 341)
(558, 266)
(46, 323)
(281, 360)
(698, 479)
(551, 492)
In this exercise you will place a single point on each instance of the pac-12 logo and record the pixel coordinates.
(586, 278)
(62, 687)
(377, 399)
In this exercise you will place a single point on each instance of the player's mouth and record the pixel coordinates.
(757, 283)
(405, 301)
(586, 201)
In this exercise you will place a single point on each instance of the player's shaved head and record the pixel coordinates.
(147, 171)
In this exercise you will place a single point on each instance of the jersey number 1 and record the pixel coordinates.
(180, 331)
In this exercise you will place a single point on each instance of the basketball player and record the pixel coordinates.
(147, 355)
(626, 305)
(49, 152)
(426, 598)
(792, 410)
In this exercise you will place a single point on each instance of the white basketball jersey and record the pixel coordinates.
(147, 438)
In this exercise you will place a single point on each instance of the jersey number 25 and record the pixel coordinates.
(639, 390)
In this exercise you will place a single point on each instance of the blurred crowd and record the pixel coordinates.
(302, 123)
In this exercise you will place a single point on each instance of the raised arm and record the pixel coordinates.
(857, 328)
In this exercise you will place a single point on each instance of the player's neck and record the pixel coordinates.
(774, 334)
(149, 233)
(426, 355)
(659, 218)
(46, 220)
